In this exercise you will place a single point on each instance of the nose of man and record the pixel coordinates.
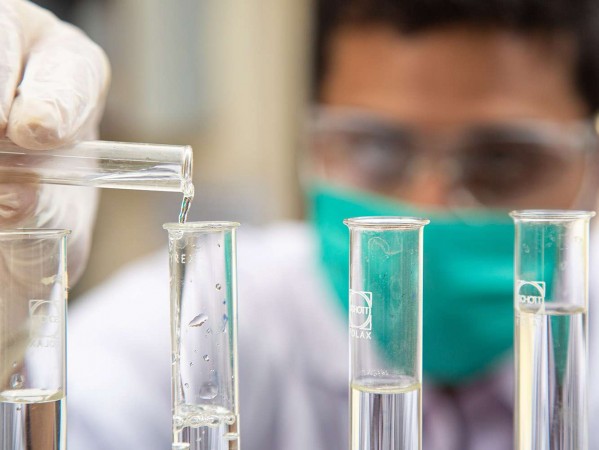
(428, 186)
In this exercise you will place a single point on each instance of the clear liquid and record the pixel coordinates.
(386, 416)
(205, 428)
(551, 378)
(185, 205)
(32, 419)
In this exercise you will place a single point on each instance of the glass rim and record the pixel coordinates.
(386, 222)
(200, 226)
(550, 214)
(33, 233)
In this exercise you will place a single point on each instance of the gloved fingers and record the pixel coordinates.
(11, 58)
(64, 83)
(17, 203)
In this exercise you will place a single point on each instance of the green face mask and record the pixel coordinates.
(468, 278)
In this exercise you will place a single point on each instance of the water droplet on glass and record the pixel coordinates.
(198, 320)
(16, 381)
(190, 364)
(206, 358)
(208, 391)
(218, 244)
(186, 385)
(209, 330)
(225, 320)
(218, 286)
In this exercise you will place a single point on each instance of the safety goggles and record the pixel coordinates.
(497, 165)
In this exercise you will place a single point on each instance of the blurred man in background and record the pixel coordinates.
(459, 111)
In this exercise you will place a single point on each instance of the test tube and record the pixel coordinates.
(33, 292)
(385, 325)
(550, 307)
(204, 335)
(104, 164)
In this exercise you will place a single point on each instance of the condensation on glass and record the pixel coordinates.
(33, 293)
(385, 325)
(204, 335)
(550, 309)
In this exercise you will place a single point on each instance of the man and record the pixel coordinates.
(458, 110)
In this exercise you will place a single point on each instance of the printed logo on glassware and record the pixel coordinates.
(45, 323)
(360, 314)
(531, 292)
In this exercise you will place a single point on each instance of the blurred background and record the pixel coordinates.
(228, 78)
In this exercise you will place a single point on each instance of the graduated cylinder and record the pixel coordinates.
(33, 295)
(550, 306)
(385, 325)
(204, 335)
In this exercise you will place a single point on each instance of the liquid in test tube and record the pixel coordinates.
(551, 334)
(385, 326)
(204, 335)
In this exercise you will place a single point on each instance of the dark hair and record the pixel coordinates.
(578, 17)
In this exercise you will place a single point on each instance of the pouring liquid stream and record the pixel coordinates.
(186, 204)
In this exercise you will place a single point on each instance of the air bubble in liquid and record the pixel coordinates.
(198, 320)
(218, 286)
(206, 358)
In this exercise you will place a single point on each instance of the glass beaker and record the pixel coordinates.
(204, 335)
(385, 326)
(33, 292)
(550, 308)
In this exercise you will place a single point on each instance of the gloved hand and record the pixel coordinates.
(53, 83)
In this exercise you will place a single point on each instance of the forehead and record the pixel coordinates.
(452, 76)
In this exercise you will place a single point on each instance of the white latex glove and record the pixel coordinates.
(53, 83)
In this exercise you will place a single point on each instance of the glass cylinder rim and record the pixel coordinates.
(33, 233)
(386, 222)
(541, 215)
(201, 226)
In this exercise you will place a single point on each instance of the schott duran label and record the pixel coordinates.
(360, 314)
(531, 292)
(45, 323)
